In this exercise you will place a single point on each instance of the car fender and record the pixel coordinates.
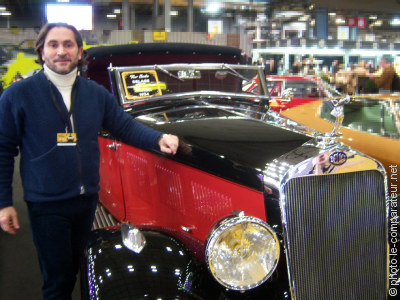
(165, 269)
(171, 266)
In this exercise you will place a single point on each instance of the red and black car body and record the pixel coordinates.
(252, 206)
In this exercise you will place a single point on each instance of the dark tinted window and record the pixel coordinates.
(303, 89)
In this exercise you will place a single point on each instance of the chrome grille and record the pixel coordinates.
(336, 236)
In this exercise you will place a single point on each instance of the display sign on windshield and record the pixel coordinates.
(141, 84)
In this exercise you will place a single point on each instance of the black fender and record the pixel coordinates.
(171, 266)
(165, 269)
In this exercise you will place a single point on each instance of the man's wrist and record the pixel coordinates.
(161, 136)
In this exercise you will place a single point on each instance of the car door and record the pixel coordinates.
(111, 192)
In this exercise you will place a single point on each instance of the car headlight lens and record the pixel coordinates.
(242, 252)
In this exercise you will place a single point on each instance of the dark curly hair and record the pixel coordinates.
(42, 37)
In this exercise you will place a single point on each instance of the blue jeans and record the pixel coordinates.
(59, 230)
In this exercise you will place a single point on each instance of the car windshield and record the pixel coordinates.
(373, 116)
(140, 83)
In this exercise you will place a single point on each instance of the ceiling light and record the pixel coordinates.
(332, 14)
(377, 23)
(173, 12)
(62, 0)
(111, 16)
(373, 17)
(340, 21)
(395, 22)
(5, 13)
(304, 18)
(2, 8)
(117, 11)
(213, 7)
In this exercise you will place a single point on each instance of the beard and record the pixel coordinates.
(60, 69)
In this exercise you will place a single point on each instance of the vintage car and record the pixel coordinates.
(371, 125)
(252, 206)
(289, 91)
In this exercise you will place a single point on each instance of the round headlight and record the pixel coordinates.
(242, 252)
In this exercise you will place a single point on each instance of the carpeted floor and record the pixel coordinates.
(19, 268)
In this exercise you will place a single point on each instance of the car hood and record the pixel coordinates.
(234, 147)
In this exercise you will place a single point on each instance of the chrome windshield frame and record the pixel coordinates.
(177, 67)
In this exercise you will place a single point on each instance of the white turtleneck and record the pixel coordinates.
(63, 83)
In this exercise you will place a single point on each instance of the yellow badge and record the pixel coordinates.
(66, 139)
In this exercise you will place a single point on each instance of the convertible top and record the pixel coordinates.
(127, 50)
(100, 58)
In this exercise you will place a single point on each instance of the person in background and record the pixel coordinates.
(271, 68)
(53, 118)
(385, 79)
(335, 67)
(311, 70)
(352, 82)
(370, 67)
(296, 68)
(396, 65)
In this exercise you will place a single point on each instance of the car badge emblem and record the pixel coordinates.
(338, 158)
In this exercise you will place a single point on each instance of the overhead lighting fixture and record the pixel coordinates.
(213, 7)
(373, 17)
(304, 18)
(376, 23)
(62, 0)
(5, 13)
(173, 12)
(332, 14)
(340, 21)
(111, 16)
(395, 22)
(117, 11)
(2, 8)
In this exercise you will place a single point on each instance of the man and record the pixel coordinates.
(335, 67)
(384, 81)
(358, 71)
(271, 68)
(60, 178)
(296, 68)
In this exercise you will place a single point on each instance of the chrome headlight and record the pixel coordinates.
(242, 252)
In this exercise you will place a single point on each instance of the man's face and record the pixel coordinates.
(60, 50)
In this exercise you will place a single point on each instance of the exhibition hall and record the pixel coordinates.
(181, 149)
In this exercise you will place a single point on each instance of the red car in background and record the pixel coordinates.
(288, 91)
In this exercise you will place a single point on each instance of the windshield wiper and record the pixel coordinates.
(168, 73)
(235, 72)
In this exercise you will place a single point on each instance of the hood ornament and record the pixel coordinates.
(336, 108)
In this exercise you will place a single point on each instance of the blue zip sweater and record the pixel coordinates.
(29, 120)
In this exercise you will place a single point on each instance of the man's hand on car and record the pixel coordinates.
(9, 220)
(169, 143)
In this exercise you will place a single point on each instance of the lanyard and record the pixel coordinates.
(73, 97)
